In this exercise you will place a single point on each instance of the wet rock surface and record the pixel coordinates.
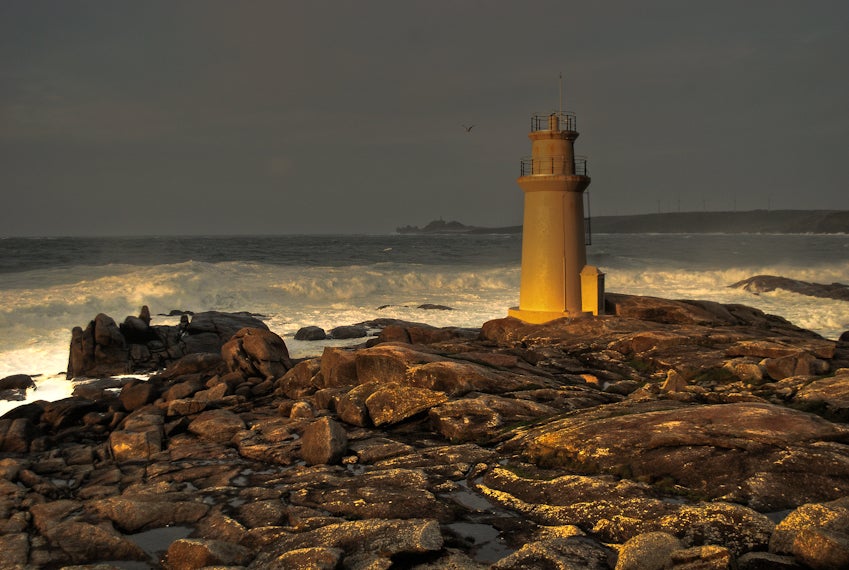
(662, 436)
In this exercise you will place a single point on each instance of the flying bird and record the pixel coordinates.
(468, 128)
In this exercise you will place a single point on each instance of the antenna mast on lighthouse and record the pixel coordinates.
(560, 114)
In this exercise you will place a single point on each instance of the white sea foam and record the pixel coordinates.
(38, 308)
(828, 317)
(36, 320)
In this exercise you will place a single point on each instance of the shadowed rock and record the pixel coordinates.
(98, 350)
(348, 331)
(256, 352)
(17, 382)
(104, 349)
(310, 333)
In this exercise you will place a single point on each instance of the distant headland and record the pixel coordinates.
(752, 221)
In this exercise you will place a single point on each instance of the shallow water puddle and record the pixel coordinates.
(778, 516)
(471, 500)
(488, 545)
(157, 540)
(239, 481)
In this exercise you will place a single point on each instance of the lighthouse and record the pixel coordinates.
(556, 280)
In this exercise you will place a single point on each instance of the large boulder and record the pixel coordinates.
(68, 412)
(389, 362)
(817, 534)
(17, 382)
(197, 363)
(829, 394)
(617, 510)
(137, 394)
(459, 378)
(479, 418)
(648, 551)
(392, 403)
(133, 514)
(766, 283)
(299, 380)
(220, 325)
(324, 442)
(310, 333)
(338, 367)
(667, 311)
(16, 435)
(86, 543)
(766, 456)
(189, 554)
(379, 494)
(98, 350)
(105, 349)
(14, 388)
(217, 425)
(351, 406)
(256, 352)
(140, 437)
(348, 332)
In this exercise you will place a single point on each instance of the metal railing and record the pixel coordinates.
(565, 121)
(581, 166)
(553, 165)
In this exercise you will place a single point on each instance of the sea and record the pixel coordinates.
(50, 285)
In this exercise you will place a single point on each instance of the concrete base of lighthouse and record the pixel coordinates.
(592, 301)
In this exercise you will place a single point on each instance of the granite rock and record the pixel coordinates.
(657, 432)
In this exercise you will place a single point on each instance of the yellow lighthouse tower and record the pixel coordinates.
(556, 280)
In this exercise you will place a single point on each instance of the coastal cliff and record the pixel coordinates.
(682, 433)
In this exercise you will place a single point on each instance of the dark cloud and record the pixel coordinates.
(221, 117)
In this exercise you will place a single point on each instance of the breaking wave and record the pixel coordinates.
(40, 306)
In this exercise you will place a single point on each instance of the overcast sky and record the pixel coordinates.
(211, 117)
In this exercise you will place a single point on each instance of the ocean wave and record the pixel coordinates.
(39, 308)
(36, 318)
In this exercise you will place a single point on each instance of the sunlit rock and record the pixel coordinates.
(749, 452)
(324, 442)
(188, 554)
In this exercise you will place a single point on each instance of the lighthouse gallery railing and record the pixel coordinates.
(566, 121)
(553, 165)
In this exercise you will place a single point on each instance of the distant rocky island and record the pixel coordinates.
(752, 221)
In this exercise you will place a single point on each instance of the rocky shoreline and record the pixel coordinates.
(669, 434)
